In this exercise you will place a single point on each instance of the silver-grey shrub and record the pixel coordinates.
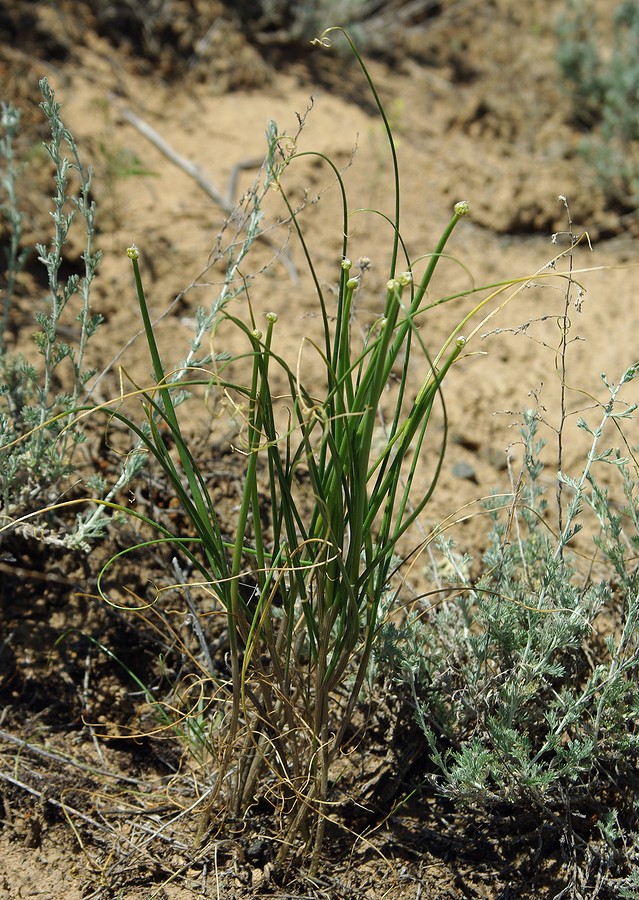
(35, 412)
(523, 679)
(603, 86)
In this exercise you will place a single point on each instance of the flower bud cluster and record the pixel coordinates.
(401, 281)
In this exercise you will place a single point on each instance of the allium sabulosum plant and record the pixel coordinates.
(276, 712)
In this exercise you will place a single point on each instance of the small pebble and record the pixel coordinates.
(465, 471)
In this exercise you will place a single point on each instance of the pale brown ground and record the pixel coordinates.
(478, 114)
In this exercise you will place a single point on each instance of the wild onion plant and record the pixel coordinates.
(300, 638)
(299, 578)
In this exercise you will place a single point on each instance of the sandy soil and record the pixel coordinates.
(478, 114)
